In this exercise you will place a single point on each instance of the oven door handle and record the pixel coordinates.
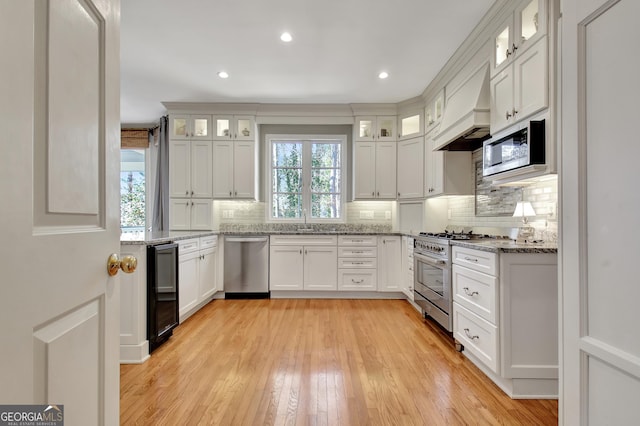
(441, 264)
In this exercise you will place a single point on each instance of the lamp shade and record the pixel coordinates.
(524, 208)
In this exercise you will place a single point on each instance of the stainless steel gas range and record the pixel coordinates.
(432, 275)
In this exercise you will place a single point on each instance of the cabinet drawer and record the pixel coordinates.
(188, 246)
(207, 242)
(357, 251)
(478, 260)
(476, 291)
(358, 262)
(303, 240)
(357, 240)
(357, 280)
(478, 336)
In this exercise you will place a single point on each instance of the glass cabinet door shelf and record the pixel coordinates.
(190, 127)
(232, 127)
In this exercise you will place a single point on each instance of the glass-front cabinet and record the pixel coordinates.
(411, 125)
(234, 127)
(375, 128)
(518, 32)
(190, 127)
(433, 112)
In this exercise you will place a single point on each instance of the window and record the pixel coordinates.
(306, 178)
(132, 189)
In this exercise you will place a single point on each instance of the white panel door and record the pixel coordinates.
(364, 170)
(389, 266)
(502, 100)
(179, 168)
(207, 277)
(244, 170)
(180, 214)
(411, 168)
(201, 214)
(223, 169)
(386, 170)
(59, 185)
(531, 82)
(320, 268)
(600, 356)
(286, 267)
(201, 170)
(188, 282)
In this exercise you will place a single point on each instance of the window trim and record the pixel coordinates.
(306, 139)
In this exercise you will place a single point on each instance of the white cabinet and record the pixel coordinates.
(375, 128)
(411, 168)
(234, 127)
(190, 127)
(521, 89)
(520, 30)
(475, 295)
(303, 263)
(447, 172)
(197, 273)
(234, 169)
(407, 266)
(410, 124)
(357, 262)
(433, 112)
(505, 315)
(190, 169)
(374, 170)
(190, 214)
(389, 264)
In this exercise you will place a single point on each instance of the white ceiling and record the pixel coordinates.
(171, 50)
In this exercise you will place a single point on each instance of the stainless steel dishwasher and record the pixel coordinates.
(246, 267)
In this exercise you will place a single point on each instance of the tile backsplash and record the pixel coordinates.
(251, 212)
(543, 196)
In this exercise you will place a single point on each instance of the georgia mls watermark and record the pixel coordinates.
(32, 415)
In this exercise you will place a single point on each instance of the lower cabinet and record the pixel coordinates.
(505, 314)
(357, 263)
(299, 262)
(389, 264)
(197, 273)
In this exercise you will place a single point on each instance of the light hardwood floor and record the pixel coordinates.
(315, 362)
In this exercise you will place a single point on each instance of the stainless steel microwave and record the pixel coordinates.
(519, 149)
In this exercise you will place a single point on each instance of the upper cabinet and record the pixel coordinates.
(234, 127)
(375, 128)
(521, 89)
(410, 125)
(522, 29)
(190, 127)
(433, 113)
(410, 176)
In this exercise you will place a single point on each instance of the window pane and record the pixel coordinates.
(287, 180)
(287, 206)
(287, 154)
(132, 189)
(325, 155)
(325, 180)
(325, 206)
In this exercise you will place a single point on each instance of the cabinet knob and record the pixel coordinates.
(186, 192)
(514, 48)
(192, 193)
(507, 115)
(514, 112)
(508, 53)
(235, 193)
(398, 194)
(373, 194)
(378, 193)
(230, 193)
(192, 204)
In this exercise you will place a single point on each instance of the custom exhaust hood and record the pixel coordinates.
(465, 124)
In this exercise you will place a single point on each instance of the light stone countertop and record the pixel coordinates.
(507, 246)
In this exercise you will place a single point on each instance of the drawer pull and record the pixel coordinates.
(469, 293)
(358, 252)
(471, 259)
(357, 263)
(360, 281)
(466, 331)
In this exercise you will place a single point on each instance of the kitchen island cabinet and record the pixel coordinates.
(506, 317)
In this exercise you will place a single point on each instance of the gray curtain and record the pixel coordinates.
(160, 221)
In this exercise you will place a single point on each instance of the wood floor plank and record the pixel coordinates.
(315, 362)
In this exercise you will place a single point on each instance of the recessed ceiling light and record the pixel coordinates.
(223, 74)
(383, 75)
(286, 37)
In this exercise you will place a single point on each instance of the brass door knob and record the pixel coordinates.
(128, 264)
